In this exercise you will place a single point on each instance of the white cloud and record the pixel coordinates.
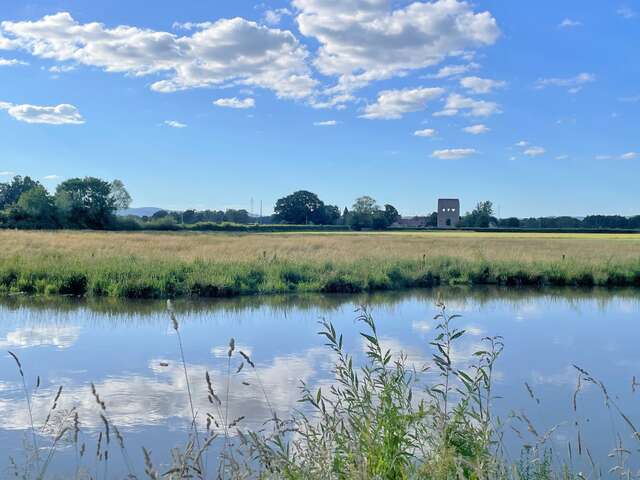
(574, 84)
(534, 151)
(453, 153)
(427, 132)
(174, 124)
(62, 68)
(477, 129)
(326, 123)
(392, 104)
(474, 108)
(522, 143)
(226, 52)
(629, 156)
(51, 177)
(235, 102)
(562, 157)
(364, 40)
(603, 157)
(11, 62)
(62, 336)
(454, 70)
(626, 12)
(569, 23)
(54, 115)
(481, 85)
(274, 17)
(6, 174)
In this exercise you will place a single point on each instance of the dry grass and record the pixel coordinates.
(320, 247)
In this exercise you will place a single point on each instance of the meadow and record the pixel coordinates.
(166, 265)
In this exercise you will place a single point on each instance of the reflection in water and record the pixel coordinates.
(129, 351)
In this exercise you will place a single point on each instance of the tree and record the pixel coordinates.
(120, 196)
(480, 217)
(86, 203)
(237, 216)
(391, 214)
(11, 192)
(38, 207)
(300, 207)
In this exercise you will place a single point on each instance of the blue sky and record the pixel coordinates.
(535, 106)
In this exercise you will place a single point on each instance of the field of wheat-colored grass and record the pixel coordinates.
(320, 247)
(152, 265)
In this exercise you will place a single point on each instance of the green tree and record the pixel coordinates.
(363, 213)
(38, 207)
(11, 192)
(120, 196)
(300, 207)
(86, 203)
(480, 217)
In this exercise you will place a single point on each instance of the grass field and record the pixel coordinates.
(225, 264)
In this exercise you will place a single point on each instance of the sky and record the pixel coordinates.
(227, 104)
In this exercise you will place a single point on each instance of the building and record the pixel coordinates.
(448, 212)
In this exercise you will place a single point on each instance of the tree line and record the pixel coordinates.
(80, 203)
(93, 203)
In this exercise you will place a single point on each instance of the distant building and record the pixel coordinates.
(448, 212)
(411, 222)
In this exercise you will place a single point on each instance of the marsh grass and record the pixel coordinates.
(385, 419)
(155, 265)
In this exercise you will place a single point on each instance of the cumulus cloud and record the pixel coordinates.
(364, 40)
(427, 132)
(59, 336)
(569, 23)
(174, 124)
(52, 115)
(629, 156)
(522, 143)
(392, 104)
(11, 62)
(228, 51)
(477, 129)
(235, 102)
(453, 153)
(454, 70)
(326, 123)
(573, 84)
(472, 108)
(534, 151)
(274, 17)
(481, 85)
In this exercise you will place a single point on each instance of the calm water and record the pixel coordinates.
(128, 350)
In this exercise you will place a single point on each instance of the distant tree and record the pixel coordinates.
(159, 214)
(86, 203)
(344, 219)
(362, 212)
(634, 222)
(300, 207)
(119, 195)
(432, 220)
(480, 217)
(391, 214)
(330, 215)
(237, 216)
(189, 217)
(38, 207)
(11, 192)
(511, 222)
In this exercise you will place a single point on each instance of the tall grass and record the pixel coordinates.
(385, 419)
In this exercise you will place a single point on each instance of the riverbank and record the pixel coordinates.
(156, 265)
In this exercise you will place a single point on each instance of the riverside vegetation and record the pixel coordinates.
(167, 265)
(385, 419)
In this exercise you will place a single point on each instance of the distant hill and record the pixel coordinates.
(139, 212)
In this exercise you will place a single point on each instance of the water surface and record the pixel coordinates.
(129, 351)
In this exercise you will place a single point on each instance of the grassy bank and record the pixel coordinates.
(160, 265)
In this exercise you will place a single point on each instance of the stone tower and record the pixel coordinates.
(448, 212)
